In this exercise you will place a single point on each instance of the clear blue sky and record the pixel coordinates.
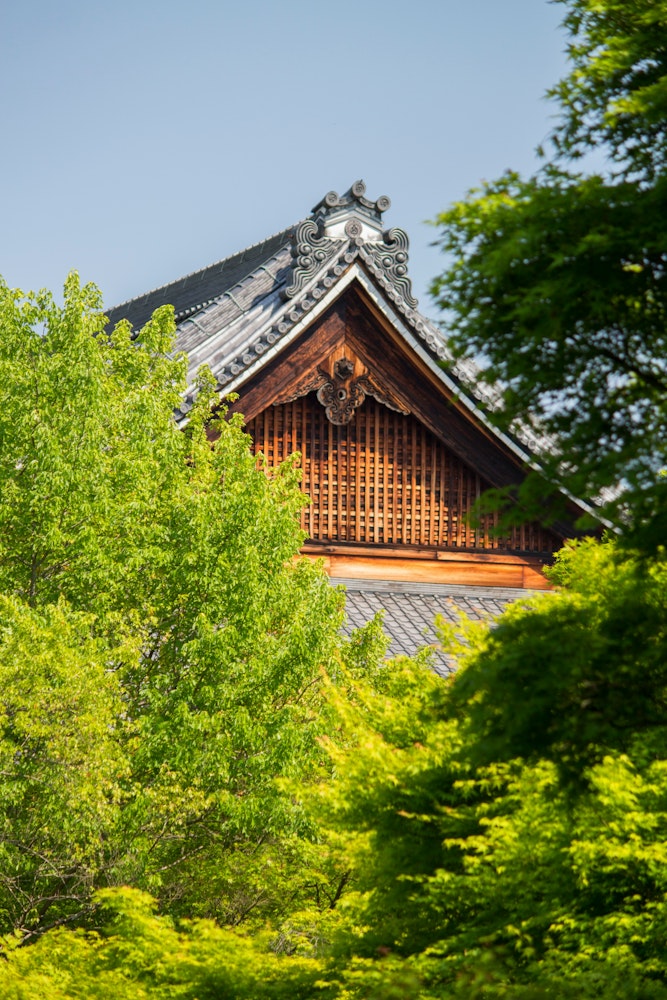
(143, 140)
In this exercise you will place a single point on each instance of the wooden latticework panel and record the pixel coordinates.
(382, 479)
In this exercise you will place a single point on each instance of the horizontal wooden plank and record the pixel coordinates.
(434, 571)
(533, 579)
(423, 553)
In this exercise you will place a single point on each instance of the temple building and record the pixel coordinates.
(317, 330)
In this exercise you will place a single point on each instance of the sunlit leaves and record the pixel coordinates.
(169, 556)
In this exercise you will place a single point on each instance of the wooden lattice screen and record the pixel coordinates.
(382, 479)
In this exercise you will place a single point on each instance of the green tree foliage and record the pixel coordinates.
(61, 767)
(600, 681)
(480, 869)
(137, 954)
(483, 869)
(497, 835)
(558, 283)
(160, 649)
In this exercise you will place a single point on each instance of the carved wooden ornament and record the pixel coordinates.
(340, 394)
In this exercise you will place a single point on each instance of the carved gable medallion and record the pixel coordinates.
(342, 385)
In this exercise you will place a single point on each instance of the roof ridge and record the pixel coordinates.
(208, 267)
(406, 588)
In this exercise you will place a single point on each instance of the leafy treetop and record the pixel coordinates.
(558, 283)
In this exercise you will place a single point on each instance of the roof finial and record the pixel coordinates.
(341, 230)
(354, 200)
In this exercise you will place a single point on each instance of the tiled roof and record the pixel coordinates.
(230, 314)
(238, 313)
(410, 609)
(195, 291)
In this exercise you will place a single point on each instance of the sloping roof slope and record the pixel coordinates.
(197, 290)
(409, 610)
(238, 313)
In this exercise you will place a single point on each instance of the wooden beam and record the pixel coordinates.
(472, 573)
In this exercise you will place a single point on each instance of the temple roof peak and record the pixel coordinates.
(351, 215)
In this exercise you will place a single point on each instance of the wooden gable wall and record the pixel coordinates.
(383, 479)
(393, 483)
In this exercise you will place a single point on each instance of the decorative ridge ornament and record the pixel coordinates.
(390, 258)
(351, 215)
(348, 227)
(356, 195)
(310, 252)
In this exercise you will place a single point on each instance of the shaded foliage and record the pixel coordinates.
(558, 283)
(509, 840)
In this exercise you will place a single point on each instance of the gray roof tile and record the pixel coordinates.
(410, 610)
(193, 291)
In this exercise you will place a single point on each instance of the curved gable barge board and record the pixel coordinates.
(431, 356)
(389, 346)
(403, 366)
(448, 411)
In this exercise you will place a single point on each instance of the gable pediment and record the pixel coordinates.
(318, 325)
(384, 367)
(341, 383)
